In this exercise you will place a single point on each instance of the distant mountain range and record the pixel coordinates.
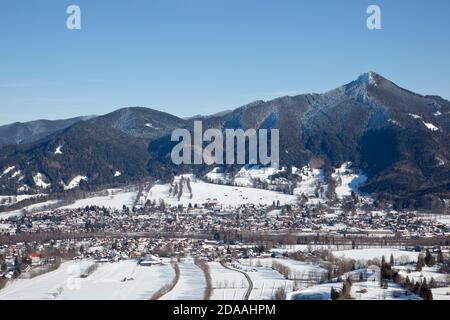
(22, 133)
(400, 139)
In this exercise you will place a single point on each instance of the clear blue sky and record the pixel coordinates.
(191, 57)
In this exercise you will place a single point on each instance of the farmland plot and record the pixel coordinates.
(227, 284)
(124, 280)
(190, 286)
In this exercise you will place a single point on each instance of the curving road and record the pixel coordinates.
(250, 282)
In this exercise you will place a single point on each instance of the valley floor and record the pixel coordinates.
(253, 279)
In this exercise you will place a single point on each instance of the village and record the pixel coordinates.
(251, 236)
(290, 248)
(211, 219)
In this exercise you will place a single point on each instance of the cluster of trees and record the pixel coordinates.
(445, 263)
(387, 273)
(11, 203)
(282, 269)
(344, 293)
(429, 260)
(281, 182)
(421, 289)
(3, 265)
(176, 189)
(163, 251)
(207, 273)
(8, 200)
(412, 201)
(280, 294)
(18, 261)
(153, 206)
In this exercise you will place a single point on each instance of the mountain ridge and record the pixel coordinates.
(25, 132)
(398, 137)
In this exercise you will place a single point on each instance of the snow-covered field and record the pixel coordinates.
(31, 208)
(245, 176)
(266, 281)
(227, 196)
(115, 200)
(190, 286)
(311, 183)
(441, 293)
(377, 293)
(312, 247)
(44, 286)
(299, 270)
(227, 284)
(374, 292)
(18, 198)
(366, 290)
(426, 273)
(368, 254)
(124, 280)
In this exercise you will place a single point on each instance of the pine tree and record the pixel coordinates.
(391, 260)
(416, 289)
(188, 183)
(432, 283)
(428, 295)
(420, 263)
(344, 290)
(423, 292)
(180, 189)
(440, 257)
(429, 259)
(333, 294)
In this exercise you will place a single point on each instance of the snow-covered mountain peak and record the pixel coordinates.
(370, 78)
(359, 89)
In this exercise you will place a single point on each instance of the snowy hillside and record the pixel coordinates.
(347, 180)
(311, 183)
(227, 196)
(115, 199)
